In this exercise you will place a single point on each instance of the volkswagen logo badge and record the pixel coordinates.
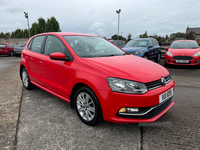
(163, 81)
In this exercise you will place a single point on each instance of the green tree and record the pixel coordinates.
(173, 36)
(114, 37)
(41, 25)
(34, 29)
(52, 25)
(129, 37)
(25, 34)
(143, 35)
(2, 35)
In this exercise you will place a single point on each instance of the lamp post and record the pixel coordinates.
(26, 16)
(118, 12)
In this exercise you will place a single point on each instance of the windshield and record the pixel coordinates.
(89, 46)
(137, 43)
(184, 45)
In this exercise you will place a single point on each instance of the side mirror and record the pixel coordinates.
(58, 56)
(166, 48)
(150, 46)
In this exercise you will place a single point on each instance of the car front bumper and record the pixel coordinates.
(193, 61)
(112, 102)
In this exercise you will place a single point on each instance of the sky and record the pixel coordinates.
(99, 17)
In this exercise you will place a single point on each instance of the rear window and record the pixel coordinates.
(11, 45)
(2, 45)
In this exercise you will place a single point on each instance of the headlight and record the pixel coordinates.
(197, 54)
(126, 86)
(137, 52)
(169, 53)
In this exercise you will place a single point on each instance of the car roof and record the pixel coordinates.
(184, 40)
(64, 34)
(144, 38)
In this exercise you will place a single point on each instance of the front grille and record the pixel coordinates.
(156, 84)
(154, 112)
(182, 58)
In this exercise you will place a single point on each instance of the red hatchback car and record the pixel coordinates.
(98, 79)
(183, 52)
(7, 49)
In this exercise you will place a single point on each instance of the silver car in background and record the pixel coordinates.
(19, 48)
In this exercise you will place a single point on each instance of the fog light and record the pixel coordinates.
(197, 62)
(122, 110)
(132, 110)
(128, 110)
(167, 60)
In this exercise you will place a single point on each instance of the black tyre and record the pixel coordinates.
(11, 53)
(26, 80)
(158, 58)
(145, 56)
(87, 106)
(166, 65)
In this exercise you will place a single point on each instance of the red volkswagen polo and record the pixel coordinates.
(98, 79)
(183, 52)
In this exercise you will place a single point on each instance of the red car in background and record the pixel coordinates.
(7, 49)
(98, 79)
(183, 52)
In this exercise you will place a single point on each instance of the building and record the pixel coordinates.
(195, 31)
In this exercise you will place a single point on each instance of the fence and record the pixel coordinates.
(163, 50)
(14, 40)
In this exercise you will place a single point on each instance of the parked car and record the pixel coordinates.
(97, 78)
(119, 43)
(144, 47)
(183, 52)
(19, 48)
(7, 49)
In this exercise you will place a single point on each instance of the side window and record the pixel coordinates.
(36, 45)
(150, 42)
(54, 44)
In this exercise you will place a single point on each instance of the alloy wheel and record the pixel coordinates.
(25, 78)
(85, 106)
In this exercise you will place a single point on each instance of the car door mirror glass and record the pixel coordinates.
(150, 46)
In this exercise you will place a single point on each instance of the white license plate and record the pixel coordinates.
(166, 95)
(182, 61)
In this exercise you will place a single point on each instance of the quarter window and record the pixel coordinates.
(150, 42)
(54, 44)
(36, 45)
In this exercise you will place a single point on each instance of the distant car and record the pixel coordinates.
(183, 52)
(19, 48)
(7, 49)
(97, 78)
(144, 47)
(119, 43)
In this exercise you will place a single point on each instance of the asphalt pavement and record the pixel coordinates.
(36, 119)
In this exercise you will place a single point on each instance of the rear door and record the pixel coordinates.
(33, 58)
(156, 48)
(151, 51)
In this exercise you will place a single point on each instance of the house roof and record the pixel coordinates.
(195, 30)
